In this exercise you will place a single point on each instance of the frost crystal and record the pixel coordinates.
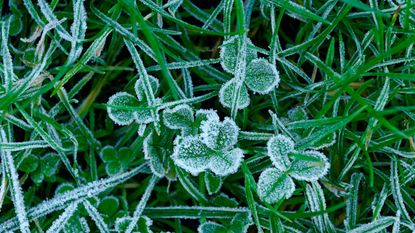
(211, 227)
(226, 94)
(274, 185)
(180, 117)
(309, 166)
(229, 53)
(122, 116)
(261, 76)
(219, 135)
(279, 147)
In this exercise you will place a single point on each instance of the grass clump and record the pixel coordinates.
(207, 116)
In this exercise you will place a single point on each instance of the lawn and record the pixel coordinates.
(227, 116)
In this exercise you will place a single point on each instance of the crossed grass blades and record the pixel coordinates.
(202, 116)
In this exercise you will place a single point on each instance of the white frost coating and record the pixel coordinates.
(229, 53)
(226, 163)
(226, 95)
(213, 183)
(396, 190)
(78, 29)
(210, 227)
(142, 204)
(15, 189)
(61, 201)
(309, 166)
(156, 166)
(59, 223)
(144, 116)
(139, 87)
(96, 216)
(191, 155)
(278, 148)
(261, 76)
(122, 223)
(204, 114)
(7, 58)
(121, 116)
(219, 135)
(179, 117)
(48, 13)
(327, 141)
(375, 226)
(274, 185)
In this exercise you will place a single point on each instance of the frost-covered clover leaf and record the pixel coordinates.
(261, 77)
(124, 108)
(239, 224)
(229, 53)
(116, 161)
(308, 165)
(219, 135)
(274, 185)
(179, 117)
(213, 183)
(213, 149)
(277, 183)
(227, 93)
(157, 151)
(143, 224)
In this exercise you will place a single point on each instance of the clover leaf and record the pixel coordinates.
(213, 183)
(227, 93)
(309, 165)
(229, 53)
(279, 147)
(157, 151)
(212, 149)
(116, 161)
(239, 224)
(122, 116)
(261, 76)
(276, 183)
(124, 108)
(219, 135)
(143, 224)
(192, 155)
(179, 117)
(47, 168)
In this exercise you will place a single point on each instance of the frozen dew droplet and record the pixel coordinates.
(122, 116)
(226, 94)
(273, 185)
(278, 148)
(261, 76)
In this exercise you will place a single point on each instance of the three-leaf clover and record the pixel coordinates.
(239, 224)
(213, 149)
(260, 75)
(116, 161)
(157, 151)
(43, 168)
(277, 183)
(124, 108)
